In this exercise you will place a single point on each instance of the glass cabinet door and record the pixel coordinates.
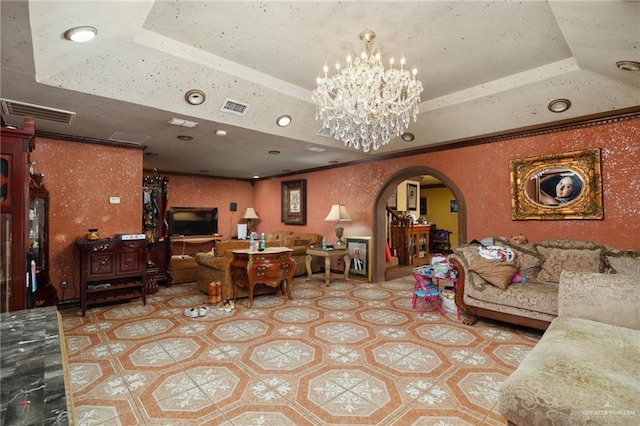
(5, 263)
(38, 233)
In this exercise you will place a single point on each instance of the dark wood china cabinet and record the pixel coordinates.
(16, 145)
(42, 292)
(154, 205)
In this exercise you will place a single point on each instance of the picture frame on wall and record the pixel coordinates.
(557, 187)
(294, 202)
(392, 202)
(412, 196)
(453, 206)
(359, 249)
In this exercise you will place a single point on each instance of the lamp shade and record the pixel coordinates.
(338, 213)
(250, 213)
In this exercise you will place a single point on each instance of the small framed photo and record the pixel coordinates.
(412, 196)
(360, 253)
(392, 202)
(453, 206)
(294, 202)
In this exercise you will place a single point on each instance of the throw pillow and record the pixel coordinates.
(496, 272)
(559, 259)
(625, 262)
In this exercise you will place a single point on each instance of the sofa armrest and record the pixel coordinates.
(607, 298)
(461, 266)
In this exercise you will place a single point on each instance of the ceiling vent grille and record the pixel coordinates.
(234, 107)
(324, 132)
(38, 112)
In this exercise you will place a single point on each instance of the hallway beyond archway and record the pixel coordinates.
(379, 216)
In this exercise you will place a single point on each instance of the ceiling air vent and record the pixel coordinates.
(234, 107)
(38, 112)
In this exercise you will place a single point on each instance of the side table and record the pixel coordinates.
(272, 266)
(327, 254)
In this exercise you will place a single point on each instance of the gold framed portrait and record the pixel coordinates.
(557, 187)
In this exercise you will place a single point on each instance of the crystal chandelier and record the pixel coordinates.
(363, 104)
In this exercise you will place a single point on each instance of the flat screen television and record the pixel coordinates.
(193, 220)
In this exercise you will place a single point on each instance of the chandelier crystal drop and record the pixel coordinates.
(364, 105)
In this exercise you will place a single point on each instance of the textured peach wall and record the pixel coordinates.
(190, 191)
(80, 179)
(482, 174)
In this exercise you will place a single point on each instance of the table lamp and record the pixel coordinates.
(249, 214)
(338, 213)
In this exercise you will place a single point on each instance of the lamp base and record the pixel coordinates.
(339, 231)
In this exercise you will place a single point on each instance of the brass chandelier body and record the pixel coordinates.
(364, 105)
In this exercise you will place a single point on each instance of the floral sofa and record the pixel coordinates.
(217, 267)
(586, 368)
(486, 290)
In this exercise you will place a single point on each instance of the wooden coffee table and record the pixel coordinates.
(327, 254)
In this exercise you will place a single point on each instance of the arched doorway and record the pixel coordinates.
(380, 212)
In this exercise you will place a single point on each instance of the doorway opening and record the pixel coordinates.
(456, 207)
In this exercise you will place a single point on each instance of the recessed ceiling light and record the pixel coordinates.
(283, 120)
(559, 105)
(628, 65)
(255, 177)
(185, 138)
(274, 152)
(195, 97)
(80, 34)
(408, 137)
(221, 133)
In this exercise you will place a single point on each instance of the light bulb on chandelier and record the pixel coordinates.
(364, 105)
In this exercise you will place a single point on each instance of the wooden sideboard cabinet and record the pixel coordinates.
(111, 271)
(272, 267)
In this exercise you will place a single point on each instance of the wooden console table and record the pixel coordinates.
(272, 266)
(112, 270)
(327, 254)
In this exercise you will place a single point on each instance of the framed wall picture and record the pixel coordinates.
(557, 187)
(294, 202)
(412, 196)
(392, 202)
(360, 253)
(453, 206)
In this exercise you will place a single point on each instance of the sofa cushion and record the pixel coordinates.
(610, 298)
(496, 272)
(579, 373)
(625, 262)
(533, 296)
(559, 259)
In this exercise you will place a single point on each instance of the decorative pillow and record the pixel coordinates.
(496, 272)
(559, 259)
(624, 262)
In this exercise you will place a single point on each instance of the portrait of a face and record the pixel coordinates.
(554, 187)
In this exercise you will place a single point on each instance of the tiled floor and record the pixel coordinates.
(353, 353)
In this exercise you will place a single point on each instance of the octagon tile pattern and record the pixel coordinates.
(351, 353)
